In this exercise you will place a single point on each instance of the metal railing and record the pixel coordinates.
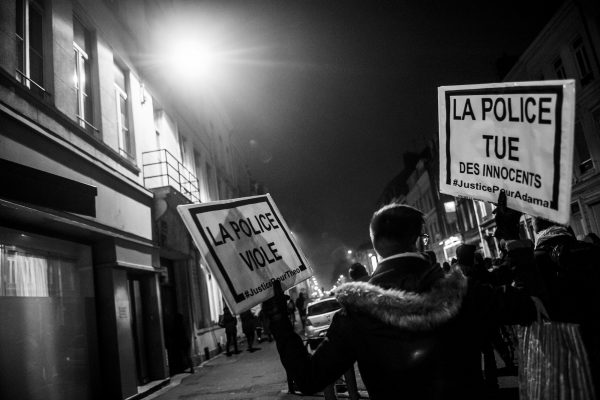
(161, 169)
(86, 125)
(39, 90)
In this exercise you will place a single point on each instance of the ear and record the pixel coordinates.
(419, 244)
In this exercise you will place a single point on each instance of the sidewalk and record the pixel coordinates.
(257, 375)
(260, 375)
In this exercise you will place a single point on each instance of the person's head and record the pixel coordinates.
(395, 228)
(465, 254)
(358, 272)
(446, 266)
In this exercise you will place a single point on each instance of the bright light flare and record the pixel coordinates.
(194, 60)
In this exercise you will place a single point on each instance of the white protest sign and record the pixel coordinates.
(247, 246)
(512, 136)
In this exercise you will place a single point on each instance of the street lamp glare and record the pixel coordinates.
(193, 60)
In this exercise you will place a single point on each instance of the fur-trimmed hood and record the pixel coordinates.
(404, 309)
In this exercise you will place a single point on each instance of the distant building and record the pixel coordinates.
(100, 284)
(568, 47)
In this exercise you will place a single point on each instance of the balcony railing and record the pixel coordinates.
(161, 169)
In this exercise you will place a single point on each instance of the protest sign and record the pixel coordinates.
(516, 137)
(247, 246)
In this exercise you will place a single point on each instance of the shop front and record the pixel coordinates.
(47, 308)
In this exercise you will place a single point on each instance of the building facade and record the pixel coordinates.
(99, 281)
(569, 48)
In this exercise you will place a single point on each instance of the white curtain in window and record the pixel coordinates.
(215, 297)
(23, 274)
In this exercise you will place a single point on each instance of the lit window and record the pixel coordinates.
(482, 208)
(583, 63)
(126, 140)
(30, 44)
(82, 75)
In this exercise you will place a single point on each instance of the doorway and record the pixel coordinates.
(171, 322)
(136, 296)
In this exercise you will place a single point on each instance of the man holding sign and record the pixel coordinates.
(247, 246)
(414, 331)
(516, 137)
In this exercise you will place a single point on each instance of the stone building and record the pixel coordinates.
(568, 47)
(98, 278)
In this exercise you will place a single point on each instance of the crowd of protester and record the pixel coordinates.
(419, 329)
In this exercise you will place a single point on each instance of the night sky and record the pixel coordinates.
(326, 96)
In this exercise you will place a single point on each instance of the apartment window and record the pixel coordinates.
(559, 69)
(82, 76)
(470, 210)
(583, 63)
(210, 182)
(183, 150)
(30, 45)
(582, 150)
(203, 186)
(126, 140)
(482, 209)
(158, 117)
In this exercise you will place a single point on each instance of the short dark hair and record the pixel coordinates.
(357, 271)
(395, 228)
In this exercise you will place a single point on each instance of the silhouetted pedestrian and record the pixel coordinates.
(249, 328)
(265, 322)
(184, 343)
(446, 267)
(358, 273)
(229, 322)
(301, 306)
(291, 309)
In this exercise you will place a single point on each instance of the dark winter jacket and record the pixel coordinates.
(229, 322)
(415, 332)
(248, 322)
(571, 274)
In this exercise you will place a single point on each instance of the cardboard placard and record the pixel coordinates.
(247, 246)
(516, 137)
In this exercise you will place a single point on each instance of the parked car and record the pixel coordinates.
(318, 318)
